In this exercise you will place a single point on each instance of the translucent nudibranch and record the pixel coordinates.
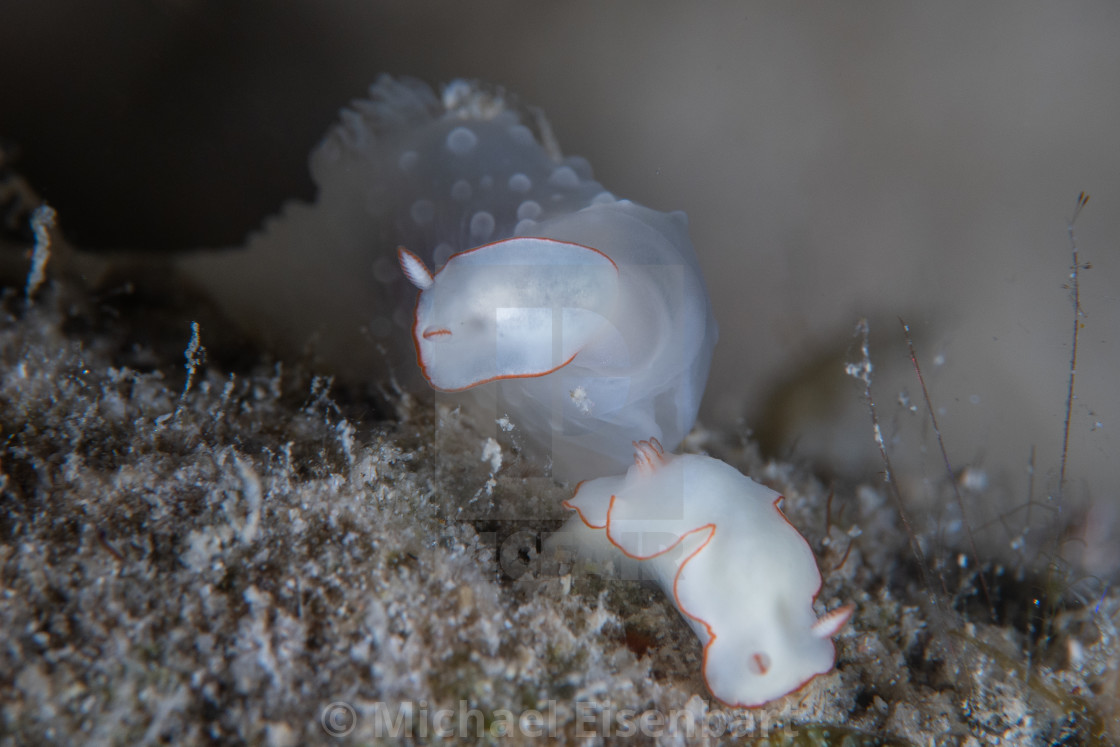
(588, 313)
(628, 349)
(737, 570)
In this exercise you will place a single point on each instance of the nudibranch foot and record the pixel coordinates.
(737, 570)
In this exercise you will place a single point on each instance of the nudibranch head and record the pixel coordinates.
(517, 308)
(738, 571)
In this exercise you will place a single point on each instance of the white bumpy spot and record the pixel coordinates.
(564, 177)
(407, 161)
(482, 225)
(529, 210)
(461, 141)
(422, 212)
(461, 190)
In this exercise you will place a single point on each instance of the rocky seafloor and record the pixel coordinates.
(232, 550)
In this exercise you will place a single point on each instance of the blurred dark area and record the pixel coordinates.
(166, 125)
(836, 161)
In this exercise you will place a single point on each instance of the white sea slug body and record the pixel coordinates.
(738, 571)
(442, 176)
(588, 314)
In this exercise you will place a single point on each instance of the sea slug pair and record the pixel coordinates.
(585, 316)
(596, 321)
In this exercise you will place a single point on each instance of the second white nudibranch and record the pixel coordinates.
(738, 571)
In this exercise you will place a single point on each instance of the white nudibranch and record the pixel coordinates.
(587, 314)
(604, 295)
(737, 570)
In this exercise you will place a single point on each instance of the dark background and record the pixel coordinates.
(837, 161)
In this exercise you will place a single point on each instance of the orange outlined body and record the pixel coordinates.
(649, 460)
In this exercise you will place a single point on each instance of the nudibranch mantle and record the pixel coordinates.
(738, 571)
